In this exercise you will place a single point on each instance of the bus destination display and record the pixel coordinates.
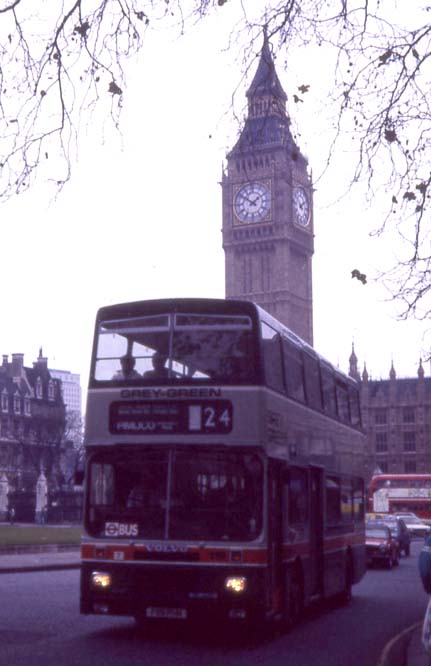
(171, 417)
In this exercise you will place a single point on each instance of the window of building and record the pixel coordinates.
(408, 415)
(380, 416)
(39, 389)
(410, 466)
(51, 390)
(27, 407)
(409, 439)
(383, 465)
(17, 403)
(4, 401)
(381, 442)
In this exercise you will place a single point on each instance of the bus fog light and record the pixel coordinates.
(101, 579)
(236, 584)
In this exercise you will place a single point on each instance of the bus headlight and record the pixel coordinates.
(236, 584)
(101, 580)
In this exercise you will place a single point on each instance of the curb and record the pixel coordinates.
(41, 567)
(38, 548)
(394, 652)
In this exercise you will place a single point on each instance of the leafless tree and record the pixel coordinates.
(62, 61)
(59, 61)
(72, 445)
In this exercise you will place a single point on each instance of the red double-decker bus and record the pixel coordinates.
(224, 467)
(398, 493)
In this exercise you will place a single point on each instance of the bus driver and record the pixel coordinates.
(159, 370)
(127, 369)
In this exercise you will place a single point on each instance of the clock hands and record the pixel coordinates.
(252, 202)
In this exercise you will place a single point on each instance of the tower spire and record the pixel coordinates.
(266, 82)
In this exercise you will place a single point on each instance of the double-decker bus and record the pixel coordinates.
(224, 467)
(399, 493)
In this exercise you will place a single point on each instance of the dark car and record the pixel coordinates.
(380, 545)
(400, 533)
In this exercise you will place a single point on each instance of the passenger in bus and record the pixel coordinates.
(127, 369)
(159, 370)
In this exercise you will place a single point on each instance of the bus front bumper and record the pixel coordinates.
(172, 592)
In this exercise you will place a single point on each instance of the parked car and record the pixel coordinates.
(415, 525)
(399, 532)
(380, 545)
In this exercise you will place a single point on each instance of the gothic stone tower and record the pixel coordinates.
(268, 209)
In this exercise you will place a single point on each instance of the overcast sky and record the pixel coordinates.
(141, 217)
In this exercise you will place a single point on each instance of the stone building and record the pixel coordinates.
(32, 421)
(396, 414)
(268, 239)
(268, 209)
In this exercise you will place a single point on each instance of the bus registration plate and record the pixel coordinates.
(168, 613)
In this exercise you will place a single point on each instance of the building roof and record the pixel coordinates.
(271, 125)
(402, 387)
(266, 81)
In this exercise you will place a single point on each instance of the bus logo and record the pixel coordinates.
(121, 529)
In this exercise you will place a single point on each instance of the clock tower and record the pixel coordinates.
(268, 209)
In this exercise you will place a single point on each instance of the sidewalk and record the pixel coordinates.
(42, 558)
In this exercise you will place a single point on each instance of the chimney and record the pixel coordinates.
(17, 364)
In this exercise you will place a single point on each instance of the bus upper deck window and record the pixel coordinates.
(293, 371)
(271, 348)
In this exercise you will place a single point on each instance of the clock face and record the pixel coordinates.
(252, 203)
(301, 207)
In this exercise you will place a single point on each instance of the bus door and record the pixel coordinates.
(275, 540)
(316, 531)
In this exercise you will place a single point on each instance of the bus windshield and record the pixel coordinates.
(175, 346)
(171, 495)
